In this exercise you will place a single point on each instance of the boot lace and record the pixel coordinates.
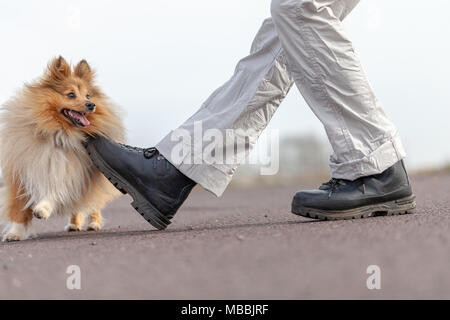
(148, 153)
(334, 184)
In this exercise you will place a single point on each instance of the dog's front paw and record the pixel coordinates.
(94, 226)
(10, 237)
(43, 210)
(16, 232)
(72, 228)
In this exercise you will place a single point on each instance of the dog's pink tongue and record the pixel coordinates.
(84, 121)
(80, 117)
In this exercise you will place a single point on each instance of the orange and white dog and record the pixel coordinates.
(45, 166)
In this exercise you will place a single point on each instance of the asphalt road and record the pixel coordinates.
(245, 245)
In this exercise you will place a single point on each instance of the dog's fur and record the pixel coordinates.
(45, 166)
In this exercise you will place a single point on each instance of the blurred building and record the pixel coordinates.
(301, 158)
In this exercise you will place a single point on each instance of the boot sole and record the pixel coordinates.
(140, 204)
(402, 206)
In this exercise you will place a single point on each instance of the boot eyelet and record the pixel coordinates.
(149, 153)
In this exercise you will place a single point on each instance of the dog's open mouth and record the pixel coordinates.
(77, 118)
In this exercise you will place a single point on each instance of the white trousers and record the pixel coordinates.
(304, 42)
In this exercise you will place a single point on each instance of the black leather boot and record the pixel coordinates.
(387, 193)
(157, 187)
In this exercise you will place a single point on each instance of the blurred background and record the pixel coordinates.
(161, 59)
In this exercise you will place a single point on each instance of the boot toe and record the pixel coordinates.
(309, 198)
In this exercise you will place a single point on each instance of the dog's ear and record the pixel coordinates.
(59, 69)
(84, 71)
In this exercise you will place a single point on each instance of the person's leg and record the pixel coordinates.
(329, 75)
(369, 177)
(241, 109)
(245, 104)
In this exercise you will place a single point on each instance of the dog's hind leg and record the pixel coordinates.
(18, 216)
(75, 222)
(95, 221)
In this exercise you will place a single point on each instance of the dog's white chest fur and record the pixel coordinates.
(55, 171)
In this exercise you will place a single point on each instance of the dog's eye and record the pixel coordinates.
(71, 95)
(88, 97)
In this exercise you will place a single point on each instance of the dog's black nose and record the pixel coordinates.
(90, 106)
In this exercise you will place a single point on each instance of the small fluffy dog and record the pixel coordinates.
(45, 166)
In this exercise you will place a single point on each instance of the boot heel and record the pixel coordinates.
(149, 213)
(402, 206)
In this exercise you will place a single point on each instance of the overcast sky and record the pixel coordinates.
(161, 59)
